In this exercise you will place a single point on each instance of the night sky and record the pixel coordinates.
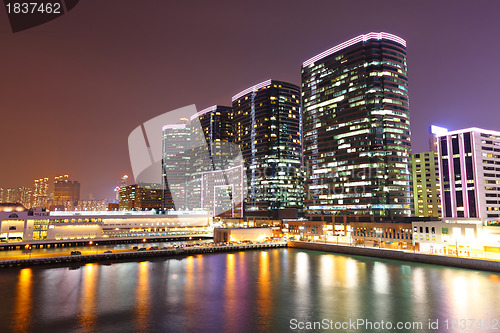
(73, 89)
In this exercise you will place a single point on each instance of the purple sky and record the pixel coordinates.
(73, 89)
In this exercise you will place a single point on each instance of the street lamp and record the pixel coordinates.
(379, 233)
(28, 247)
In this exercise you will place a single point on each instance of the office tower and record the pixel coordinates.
(66, 192)
(469, 162)
(141, 197)
(175, 165)
(216, 181)
(124, 181)
(357, 130)
(216, 125)
(434, 131)
(267, 127)
(426, 186)
(40, 192)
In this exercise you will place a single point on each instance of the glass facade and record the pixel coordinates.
(175, 163)
(202, 167)
(356, 130)
(267, 127)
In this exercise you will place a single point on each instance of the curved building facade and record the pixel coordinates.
(357, 130)
(267, 127)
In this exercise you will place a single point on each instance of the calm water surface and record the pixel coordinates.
(253, 291)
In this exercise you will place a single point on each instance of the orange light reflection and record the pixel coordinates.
(143, 296)
(88, 301)
(264, 302)
(22, 318)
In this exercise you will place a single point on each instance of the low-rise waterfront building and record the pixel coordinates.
(305, 229)
(257, 234)
(19, 224)
(393, 235)
(463, 237)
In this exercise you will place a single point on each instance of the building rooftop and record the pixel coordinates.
(12, 207)
(350, 42)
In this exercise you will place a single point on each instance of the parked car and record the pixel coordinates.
(108, 251)
(142, 249)
(76, 253)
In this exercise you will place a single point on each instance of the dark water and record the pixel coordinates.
(254, 291)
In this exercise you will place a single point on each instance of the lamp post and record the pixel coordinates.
(28, 247)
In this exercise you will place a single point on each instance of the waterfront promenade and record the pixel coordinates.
(132, 254)
(435, 259)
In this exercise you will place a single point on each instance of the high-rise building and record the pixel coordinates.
(26, 196)
(66, 192)
(40, 192)
(426, 186)
(175, 165)
(267, 127)
(434, 131)
(216, 172)
(201, 164)
(140, 197)
(21, 195)
(356, 132)
(469, 162)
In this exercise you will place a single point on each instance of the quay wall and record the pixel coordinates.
(470, 263)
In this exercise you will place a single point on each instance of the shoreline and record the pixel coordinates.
(433, 259)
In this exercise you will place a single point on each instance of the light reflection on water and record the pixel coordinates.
(253, 291)
(23, 301)
(143, 303)
(88, 299)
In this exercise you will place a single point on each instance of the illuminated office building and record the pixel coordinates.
(216, 176)
(202, 168)
(357, 130)
(267, 127)
(141, 197)
(469, 162)
(426, 186)
(175, 165)
(66, 192)
(216, 125)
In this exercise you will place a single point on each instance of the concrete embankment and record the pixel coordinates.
(136, 255)
(477, 264)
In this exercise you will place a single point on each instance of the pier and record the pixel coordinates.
(135, 254)
(102, 241)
